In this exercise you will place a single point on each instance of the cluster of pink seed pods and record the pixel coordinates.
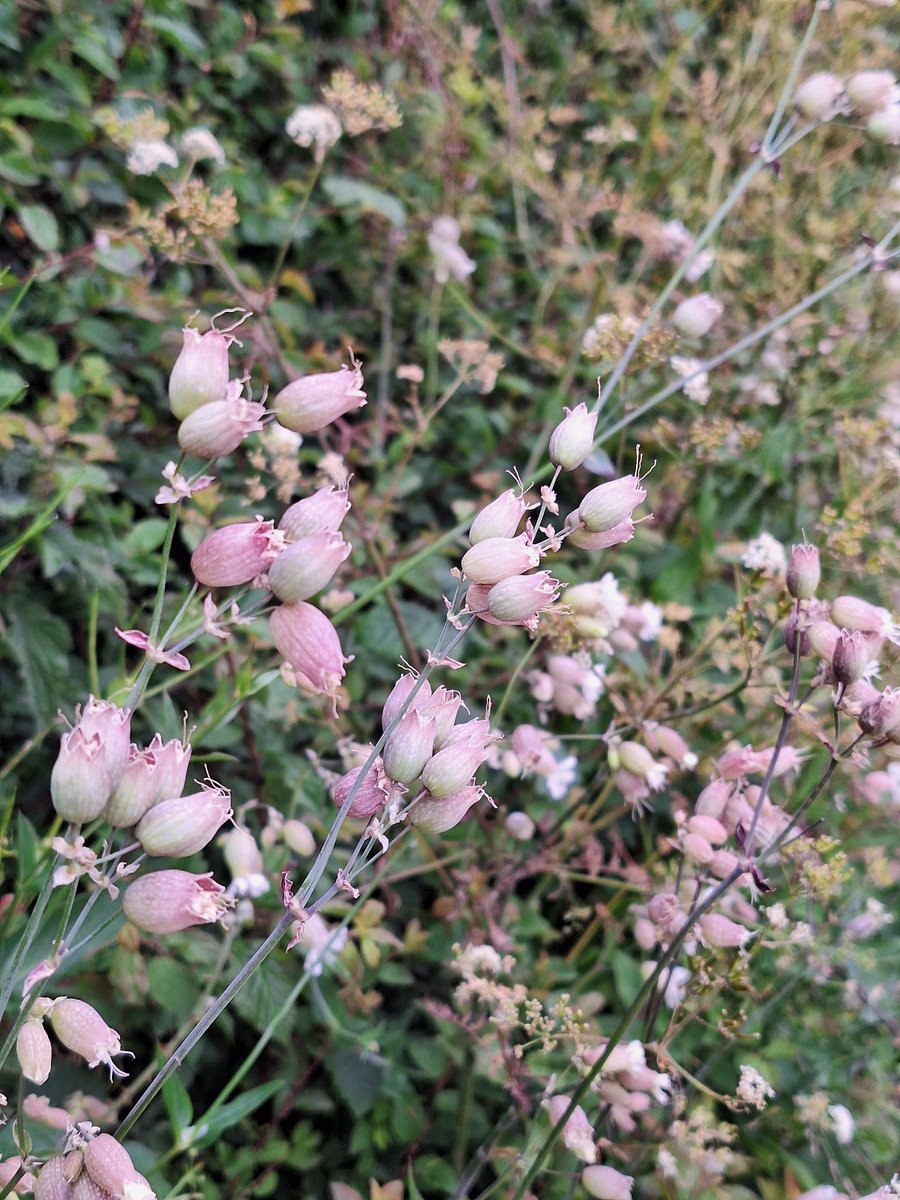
(296, 560)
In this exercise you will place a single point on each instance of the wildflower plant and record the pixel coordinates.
(442, 758)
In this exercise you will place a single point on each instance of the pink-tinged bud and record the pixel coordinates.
(611, 504)
(443, 706)
(79, 781)
(8, 1168)
(520, 826)
(857, 695)
(884, 125)
(697, 848)
(870, 91)
(307, 640)
(113, 727)
(234, 554)
(606, 1183)
(322, 512)
(796, 635)
(409, 746)
(881, 716)
(516, 600)
(476, 732)
(669, 742)
(82, 1030)
(708, 827)
(803, 571)
(298, 837)
(34, 1052)
(852, 655)
(529, 744)
(172, 762)
(136, 792)
(52, 1183)
(109, 1164)
(451, 769)
(400, 694)
(573, 438)
(84, 1188)
(498, 558)
(499, 519)
(722, 863)
(314, 401)
(696, 316)
(371, 795)
(200, 373)
(179, 828)
(307, 566)
(604, 540)
(578, 1133)
(818, 95)
(823, 636)
(664, 911)
(722, 933)
(855, 614)
(637, 760)
(434, 815)
(712, 800)
(169, 901)
(735, 764)
(219, 428)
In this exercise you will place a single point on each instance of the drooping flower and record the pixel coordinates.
(81, 1029)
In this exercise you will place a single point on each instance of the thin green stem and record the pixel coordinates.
(292, 229)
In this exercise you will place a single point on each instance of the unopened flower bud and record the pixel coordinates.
(606, 507)
(371, 794)
(498, 558)
(573, 438)
(34, 1052)
(803, 571)
(578, 1133)
(637, 760)
(170, 901)
(179, 828)
(81, 1029)
(244, 859)
(79, 782)
(409, 747)
(708, 827)
(233, 555)
(735, 764)
(520, 826)
(606, 1183)
(697, 848)
(853, 613)
(884, 125)
(200, 373)
(697, 315)
(516, 600)
(852, 655)
(870, 91)
(322, 512)
(664, 911)
(712, 800)
(881, 717)
(136, 792)
(451, 769)
(298, 836)
(499, 519)
(605, 539)
(663, 740)
(722, 863)
(434, 815)
(443, 706)
(307, 566)
(172, 761)
(314, 401)
(307, 640)
(218, 428)
(400, 694)
(796, 638)
(721, 932)
(817, 96)
(823, 636)
(109, 1164)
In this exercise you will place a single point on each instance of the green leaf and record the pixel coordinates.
(12, 386)
(180, 34)
(174, 985)
(207, 1130)
(357, 1077)
(627, 975)
(40, 643)
(40, 225)
(354, 193)
(36, 348)
(17, 167)
(178, 1105)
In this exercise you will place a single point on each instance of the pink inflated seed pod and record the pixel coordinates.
(179, 828)
(498, 558)
(314, 401)
(434, 815)
(611, 504)
(322, 512)
(170, 901)
(234, 554)
(307, 566)
(371, 795)
(308, 641)
(499, 519)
